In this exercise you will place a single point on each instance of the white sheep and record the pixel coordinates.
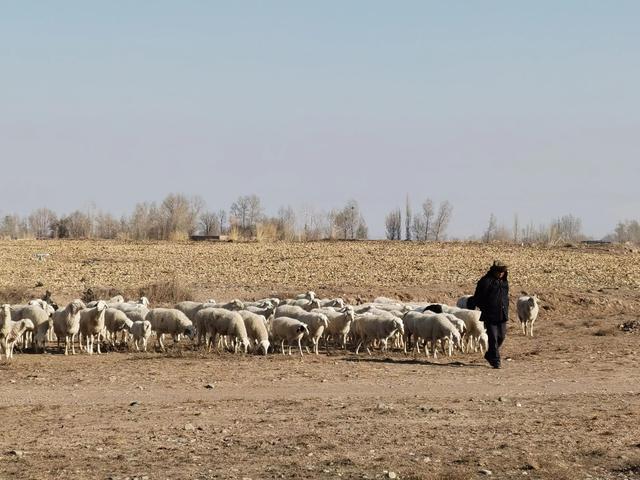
(369, 327)
(339, 323)
(140, 331)
(41, 323)
(527, 308)
(10, 331)
(316, 321)
(220, 321)
(116, 321)
(92, 324)
(233, 305)
(66, 324)
(306, 296)
(289, 330)
(256, 326)
(171, 321)
(473, 325)
(445, 332)
(190, 309)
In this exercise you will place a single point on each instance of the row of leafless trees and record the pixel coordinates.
(179, 216)
(426, 225)
(567, 228)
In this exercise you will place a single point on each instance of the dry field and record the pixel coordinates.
(566, 405)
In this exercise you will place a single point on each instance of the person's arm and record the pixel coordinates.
(479, 297)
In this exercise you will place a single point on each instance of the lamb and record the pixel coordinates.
(223, 322)
(66, 324)
(527, 308)
(116, 321)
(332, 302)
(134, 311)
(172, 321)
(266, 310)
(369, 327)
(190, 309)
(141, 331)
(289, 329)
(92, 323)
(256, 326)
(339, 323)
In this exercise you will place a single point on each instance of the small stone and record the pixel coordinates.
(189, 427)
(140, 387)
(503, 399)
(17, 453)
(484, 471)
(134, 403)
(392, 475)
(209, 386)
(518, 404)
(12, 381)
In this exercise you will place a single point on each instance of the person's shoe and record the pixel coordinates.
(496, 365)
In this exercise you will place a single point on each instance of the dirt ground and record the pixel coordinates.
(566, 404)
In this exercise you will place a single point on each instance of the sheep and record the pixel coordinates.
(6, 327)
(223, 322)
(315, 321)
(306, 304)
(369, 327)
(169, 320)
(10, 331)
(462, 301)
(413, 331)
(306, 296)
(42, 304)
(443, 330)
(266, 311)
(332, 302)
(141, 331)
(116, 321)
(66, 324)
(527, 308)
(256, 326)
(339, 323)
(289, 329)
(92, 323)
(473, 325)
(190, 309)
(41, 323)
(233, 305)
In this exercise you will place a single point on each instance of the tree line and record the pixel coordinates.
(179, 216)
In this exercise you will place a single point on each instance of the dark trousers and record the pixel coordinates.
(496, 333)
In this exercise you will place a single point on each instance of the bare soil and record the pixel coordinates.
(565, 405)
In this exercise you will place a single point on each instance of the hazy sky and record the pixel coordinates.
(497, 106)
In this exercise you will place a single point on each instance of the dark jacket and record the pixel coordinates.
(492, 298)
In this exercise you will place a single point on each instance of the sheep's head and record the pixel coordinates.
(264, 346)
(101, 306)
(397, 323)
(6, 311)
(75, 306)
(190, 332)
(144, 301)
(349, 312)
(324, 320)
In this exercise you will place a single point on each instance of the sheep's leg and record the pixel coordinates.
(73, 347)
(524, 328)
(98, 340)
(300, 347)
(358, 347)
(160, 342)
(144, 344)
(531, 329)
(282, 347)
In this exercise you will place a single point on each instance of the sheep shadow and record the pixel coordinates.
(411, 361)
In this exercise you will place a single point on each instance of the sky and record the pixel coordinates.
(503, 107)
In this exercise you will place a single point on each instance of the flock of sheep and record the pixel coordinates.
(258, 326)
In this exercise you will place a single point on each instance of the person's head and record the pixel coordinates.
(499, 269)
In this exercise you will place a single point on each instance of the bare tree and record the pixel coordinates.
(442, 220)
(407, 220)
(13, 226)
(246, 212)
(516, 228)
(418, 228)
(180, 214)
(349, 223)
(492, 229)
(428, 214)
(286, 223)
(41, 222)
(106, 226)
(393, 225)
(209, 223)
(222, 215)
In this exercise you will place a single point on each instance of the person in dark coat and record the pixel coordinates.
(492, 298)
